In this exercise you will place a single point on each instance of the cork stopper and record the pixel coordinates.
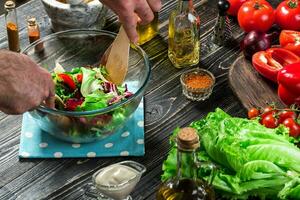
(188, 139)
(9, 5)
(31, 21)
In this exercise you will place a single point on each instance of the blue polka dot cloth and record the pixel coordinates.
(129, 141)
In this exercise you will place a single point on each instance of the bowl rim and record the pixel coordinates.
(103, 110)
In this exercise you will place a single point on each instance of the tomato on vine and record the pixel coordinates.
(252, 113)
(294, 127)
(269, 121)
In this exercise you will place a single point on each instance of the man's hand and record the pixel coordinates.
(23, 84)
(127, 11)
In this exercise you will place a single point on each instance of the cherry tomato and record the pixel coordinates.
(286, 114)
(269, 121)
(252, 113)
(267, 110)
(293, 127)
(235, 6)
(256, 15)
(287, 15)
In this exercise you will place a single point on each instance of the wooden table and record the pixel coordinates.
(165, 109)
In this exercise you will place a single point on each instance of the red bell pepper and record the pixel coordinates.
(268, 63)
(79, 78)
(68, 80)
(289, 78)
(287, 97)
(290, 40)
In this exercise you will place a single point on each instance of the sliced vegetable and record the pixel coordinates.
(73, 103)
(268, 63)
(256, 15)
(288, 15)
(89, 82)
(290, 40)
(68, 80)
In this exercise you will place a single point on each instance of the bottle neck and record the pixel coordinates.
(186, 164)
(184, 5)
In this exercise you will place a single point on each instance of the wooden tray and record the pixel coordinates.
(252, 89)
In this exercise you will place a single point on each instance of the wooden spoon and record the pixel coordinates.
(117, 59)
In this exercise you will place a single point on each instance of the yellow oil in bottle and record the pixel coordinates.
(148, 31)
(185, 189)
(184, 42)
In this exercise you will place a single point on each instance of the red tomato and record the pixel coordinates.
(286, 114)
(287, 15)
(252, 113)
(269, 121)
(293, 127)
(235, 6)
(267, 110)
(256, 15)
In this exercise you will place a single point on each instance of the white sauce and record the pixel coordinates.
(116, 177)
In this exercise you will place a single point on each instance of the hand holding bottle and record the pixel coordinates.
(127, 11)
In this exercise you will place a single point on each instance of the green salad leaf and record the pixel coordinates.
(251, 159)
(90, 83)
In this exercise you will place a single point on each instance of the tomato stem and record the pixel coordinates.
(257, 5)
(292, 4)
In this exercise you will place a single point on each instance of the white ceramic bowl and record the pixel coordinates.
(76, 15)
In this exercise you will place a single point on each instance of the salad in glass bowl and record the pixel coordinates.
(88, 106)
(86, 89)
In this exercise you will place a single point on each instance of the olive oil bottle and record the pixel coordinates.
(186, 185)
(184, 35)
(148, 31)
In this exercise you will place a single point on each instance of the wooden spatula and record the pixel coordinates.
(117, 59)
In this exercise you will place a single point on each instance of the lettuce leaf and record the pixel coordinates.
(251, 159)
(90, 83)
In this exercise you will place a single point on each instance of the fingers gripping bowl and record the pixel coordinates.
(78, 48)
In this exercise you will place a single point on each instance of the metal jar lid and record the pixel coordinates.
(188, 139)
(9, 4)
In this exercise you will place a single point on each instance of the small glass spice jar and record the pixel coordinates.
(12, 26)
(34, 33)
(197, 84)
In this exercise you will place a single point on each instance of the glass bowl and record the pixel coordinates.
(77, 48)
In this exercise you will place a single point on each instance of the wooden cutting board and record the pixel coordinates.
(252, 89)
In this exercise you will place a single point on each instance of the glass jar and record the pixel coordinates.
(148, 31)
(184, 35)
(12, 26)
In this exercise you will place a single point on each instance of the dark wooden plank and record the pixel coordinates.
(251, 88)
(166, 108)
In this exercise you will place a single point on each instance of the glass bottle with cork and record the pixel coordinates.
(186, 185)
(148, 31)
(12, 26)
(184, 35)
(34, 33)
